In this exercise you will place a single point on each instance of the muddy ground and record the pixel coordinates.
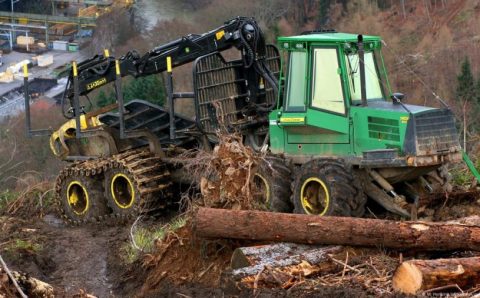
(69, 258)
(90, 259)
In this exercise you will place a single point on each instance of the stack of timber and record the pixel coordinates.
(411, 277)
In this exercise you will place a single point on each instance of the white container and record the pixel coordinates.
(59, 45)
(44, 60)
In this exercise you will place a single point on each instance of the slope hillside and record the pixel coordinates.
(431, 39)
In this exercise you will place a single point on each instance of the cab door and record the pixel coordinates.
(325, 118)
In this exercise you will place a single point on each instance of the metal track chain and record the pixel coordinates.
(151, 177)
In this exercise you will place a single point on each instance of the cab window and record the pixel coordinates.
(327, 91)
(296, 82)
(372, 80)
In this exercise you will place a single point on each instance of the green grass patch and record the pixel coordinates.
(145, 237)
(5, 198)
(33, 202)
(463, 16)
(17, 248)
(461, 175)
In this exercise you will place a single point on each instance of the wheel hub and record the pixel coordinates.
(315, 197)
(122, 190)
(77, 197)
(261, 191)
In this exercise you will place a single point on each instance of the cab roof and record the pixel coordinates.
(328, 37)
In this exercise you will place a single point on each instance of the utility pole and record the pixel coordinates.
(13, 2)
(12, 33)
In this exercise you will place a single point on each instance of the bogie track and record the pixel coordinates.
(121, 186)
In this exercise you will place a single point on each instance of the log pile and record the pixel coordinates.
(282, 265)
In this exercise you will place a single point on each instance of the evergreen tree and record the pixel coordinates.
(104, 100)
(477, 91)
(466, 83)
(466, 95)
(323, 10)
(151, 89)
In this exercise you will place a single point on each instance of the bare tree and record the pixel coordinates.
(114, 29)
(267, 12)
(402, 2)
(427, 8)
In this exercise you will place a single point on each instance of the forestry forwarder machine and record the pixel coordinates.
(326, 114)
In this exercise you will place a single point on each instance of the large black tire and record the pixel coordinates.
(328, 187)
(271, 185)
(81, 198)
(256, 138)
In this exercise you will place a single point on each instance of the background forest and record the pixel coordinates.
(431, 49)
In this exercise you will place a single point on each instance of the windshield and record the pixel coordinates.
(373, 83)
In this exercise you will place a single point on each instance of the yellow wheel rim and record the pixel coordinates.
(77, 197)
(314, 196)
(262, 190)
(122, 191)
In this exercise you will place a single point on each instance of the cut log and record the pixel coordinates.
(414, 276)
(282, 264)
(251, 260)
(308, 229)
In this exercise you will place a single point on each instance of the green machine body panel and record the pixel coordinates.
(381, 125)
(320, 112)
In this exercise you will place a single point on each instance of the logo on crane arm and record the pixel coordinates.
(96, 83)
(219, 34)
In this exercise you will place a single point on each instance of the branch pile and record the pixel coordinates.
(288, 265)
(33, 200)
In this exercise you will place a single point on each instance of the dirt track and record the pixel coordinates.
(88, 258)
(70, 258)
(83, 259)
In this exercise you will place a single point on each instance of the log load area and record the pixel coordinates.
(282, 227)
